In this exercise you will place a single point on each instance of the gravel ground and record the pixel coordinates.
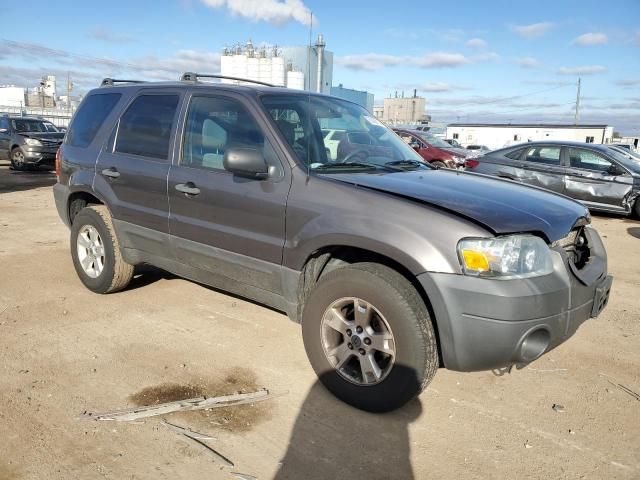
(65, 350)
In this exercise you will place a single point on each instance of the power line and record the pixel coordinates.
(507, 99)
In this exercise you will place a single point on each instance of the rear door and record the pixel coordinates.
(542, 167)
(131, 173)
(229, 226)
(591, 179)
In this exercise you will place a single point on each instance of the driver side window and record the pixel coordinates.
(588, 160)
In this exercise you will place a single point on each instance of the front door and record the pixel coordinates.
(131, 173)
(541, 167)
(592, 180)
(229, 226)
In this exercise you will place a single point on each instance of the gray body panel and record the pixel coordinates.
(253, 237)
(597, 190)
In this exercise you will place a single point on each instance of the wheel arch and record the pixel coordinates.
(331, 257)
(78, 200)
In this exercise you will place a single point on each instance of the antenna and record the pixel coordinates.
(577, 115)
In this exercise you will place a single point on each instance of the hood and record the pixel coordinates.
(51, 136)
(500, 206)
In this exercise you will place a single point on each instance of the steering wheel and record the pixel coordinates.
(355, 153)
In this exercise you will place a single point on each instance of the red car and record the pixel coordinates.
(435, 156)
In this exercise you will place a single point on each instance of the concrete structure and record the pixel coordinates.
(360, 97)
(497, 135)
(378, 111)
(278, 66)
(404, 110)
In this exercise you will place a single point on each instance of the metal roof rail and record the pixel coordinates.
(110, 82)
(193, 77)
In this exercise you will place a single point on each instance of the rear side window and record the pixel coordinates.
(546, 155)
(88, 119)
(515, 155)
(145, 128)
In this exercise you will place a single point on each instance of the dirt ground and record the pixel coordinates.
(65, 351)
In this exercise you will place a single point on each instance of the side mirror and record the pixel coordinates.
(246, 162)
(615, 170)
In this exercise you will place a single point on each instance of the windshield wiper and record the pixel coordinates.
(329, 166)
(410, 163)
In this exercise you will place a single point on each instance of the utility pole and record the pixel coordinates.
(577, 116)
(69, 91)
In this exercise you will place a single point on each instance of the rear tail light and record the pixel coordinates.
(471, 163)
(58, 164)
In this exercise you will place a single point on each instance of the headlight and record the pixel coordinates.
(514, 256)
(33, 142)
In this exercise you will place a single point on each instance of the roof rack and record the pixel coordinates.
(193, 77)
(112, 81)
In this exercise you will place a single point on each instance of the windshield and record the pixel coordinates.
(433, 140)
(329, 135)
(31, 125)
(626, 160)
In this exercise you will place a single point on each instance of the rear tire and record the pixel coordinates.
(18, 159)
(438, 164)
(96, 253)
(396, 304)
(636, 208)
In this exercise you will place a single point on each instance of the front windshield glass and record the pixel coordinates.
(31, 125)
(627, 160)
(328, 134)
(433, 140)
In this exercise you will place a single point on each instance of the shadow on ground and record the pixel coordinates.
(14, 181)
(331, 439)
(634, 231)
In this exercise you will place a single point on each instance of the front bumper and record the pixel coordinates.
(487, 323)
(40, 154)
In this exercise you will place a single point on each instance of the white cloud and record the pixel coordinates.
(533, 30)
(439, 87)
(590, 39)
(629, 82)
(375, 61)
(101, 33)
(583, 70)
(441, 60)
(527, 62)
(477, 43)
(273, 11)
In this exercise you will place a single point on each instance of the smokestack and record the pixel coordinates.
(320, 53)
(415, 93)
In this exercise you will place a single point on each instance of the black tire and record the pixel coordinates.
(116, 273)
(636, 208)
(438, 164)
(416, 360)
(17, 159)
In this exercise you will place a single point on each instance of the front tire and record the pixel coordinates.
(96, 253)
(369, 337)
(18, 159)
(636, 208)
(438, 164)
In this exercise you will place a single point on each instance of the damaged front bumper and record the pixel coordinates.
(487, 323)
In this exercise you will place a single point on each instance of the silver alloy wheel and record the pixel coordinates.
(18, 158)
(90, 251)
(357, 341)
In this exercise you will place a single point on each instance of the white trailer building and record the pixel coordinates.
(498, 135)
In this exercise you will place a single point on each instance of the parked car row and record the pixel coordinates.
(604, 178)
(28, 142)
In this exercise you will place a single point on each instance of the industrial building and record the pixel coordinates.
(401, 110)
(360, 97)
(497, 135)
(300, 68)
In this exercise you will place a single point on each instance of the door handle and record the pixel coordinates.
(189, 188)
(111, 172)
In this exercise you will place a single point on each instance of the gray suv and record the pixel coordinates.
(393, 268)
(28, 141)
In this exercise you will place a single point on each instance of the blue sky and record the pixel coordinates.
(472, 60)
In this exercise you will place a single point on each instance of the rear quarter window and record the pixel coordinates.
(89, 117)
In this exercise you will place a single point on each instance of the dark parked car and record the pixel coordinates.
(28, 141)
(394, 268)
(596, 175)
(436, 156)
